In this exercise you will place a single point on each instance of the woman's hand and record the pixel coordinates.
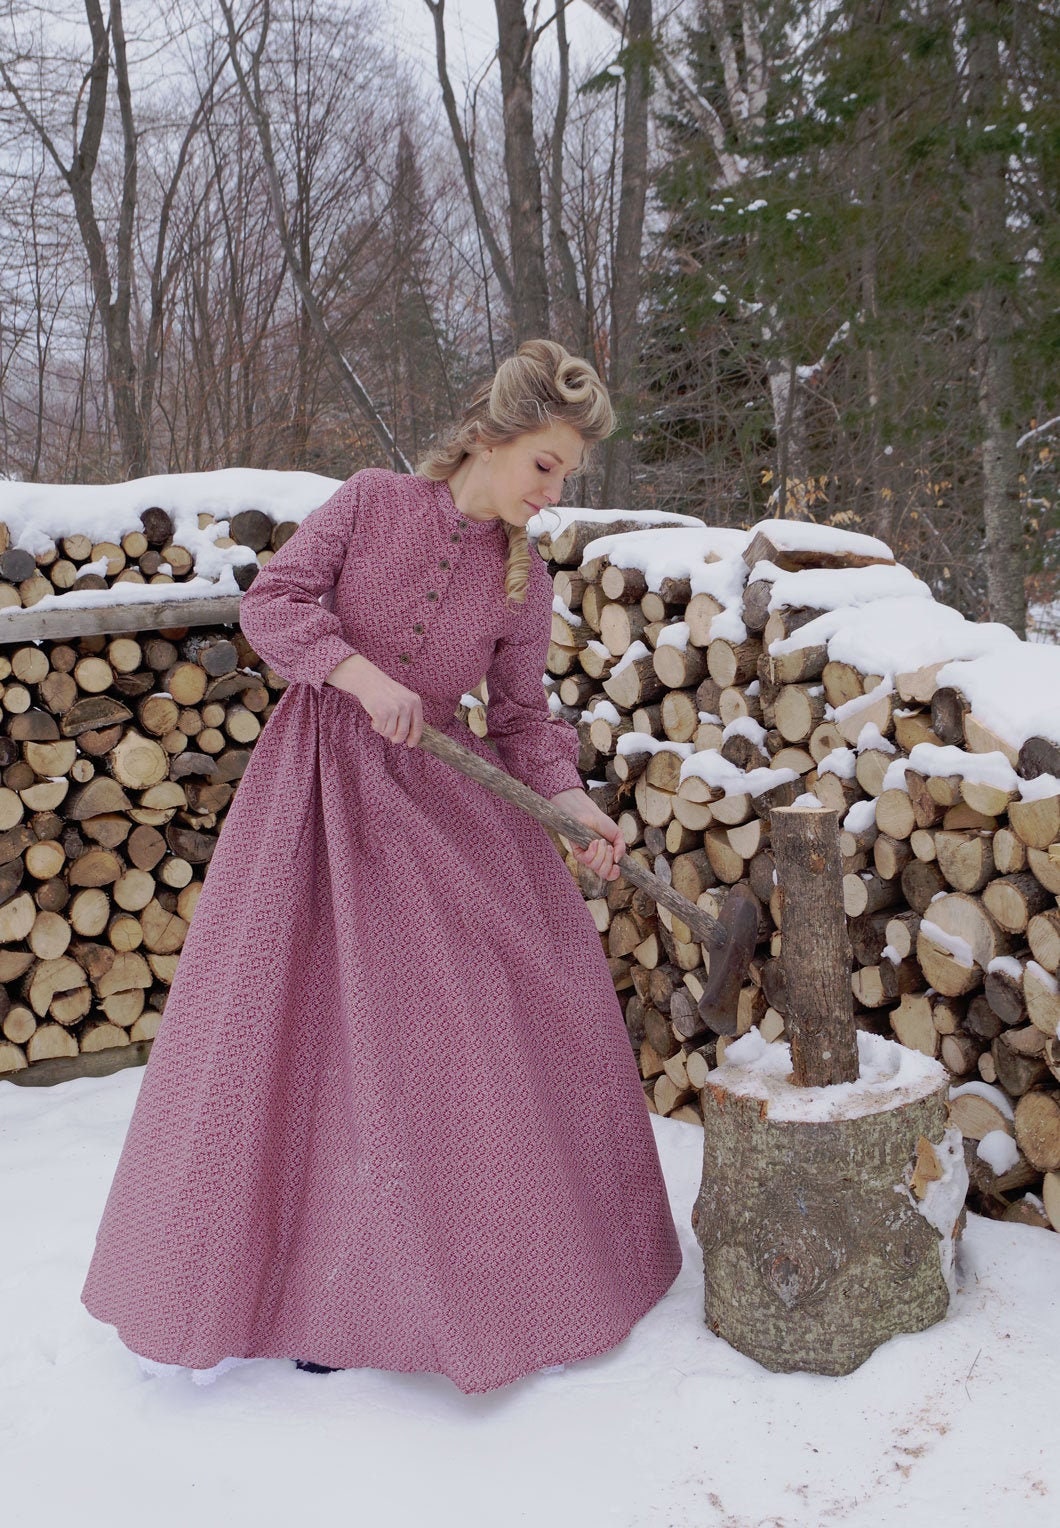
(603, 854)
(395, 711)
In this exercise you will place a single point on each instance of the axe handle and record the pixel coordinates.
(705, 929)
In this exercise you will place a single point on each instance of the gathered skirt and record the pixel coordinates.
(392, 1117)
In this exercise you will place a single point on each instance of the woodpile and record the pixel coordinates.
(119, 757)
(150, 555)
(951, 880)
(121, 749)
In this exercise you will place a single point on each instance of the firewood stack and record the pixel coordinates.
(148, 555)
(951, 836)
(120, 756)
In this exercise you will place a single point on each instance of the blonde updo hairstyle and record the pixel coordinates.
(541, 384)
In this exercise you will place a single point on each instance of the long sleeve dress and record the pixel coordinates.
(391, 1117)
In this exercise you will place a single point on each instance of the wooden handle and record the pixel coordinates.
(704, 928)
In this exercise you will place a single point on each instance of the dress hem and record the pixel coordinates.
(593, 1350)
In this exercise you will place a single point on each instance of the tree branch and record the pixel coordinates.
(250, 87)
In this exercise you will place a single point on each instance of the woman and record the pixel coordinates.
(391, 1117)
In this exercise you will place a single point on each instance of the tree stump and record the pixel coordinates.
(827, 1214)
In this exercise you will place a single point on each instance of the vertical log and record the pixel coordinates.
(816, 947)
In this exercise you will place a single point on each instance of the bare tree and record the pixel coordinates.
(112, 277)
(247, 64)
(629, 235)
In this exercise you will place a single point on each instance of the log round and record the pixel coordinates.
(811, 1258)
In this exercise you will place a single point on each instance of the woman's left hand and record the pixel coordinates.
(603, 854)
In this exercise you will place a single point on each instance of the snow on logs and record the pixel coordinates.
(119, 753)
(67, 550)
(715, 674)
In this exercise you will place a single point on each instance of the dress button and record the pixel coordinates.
(444, 562)
(418, 626)
(404, 657)
(455, 536)
(432, 594)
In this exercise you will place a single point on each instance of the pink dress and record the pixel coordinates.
(391, 1118)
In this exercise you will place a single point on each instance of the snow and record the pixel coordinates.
(728, 626)
(643, 742)
(633, 651)
(805, 536)
(910, 1438)
(808, 802)
(1015, 695)
(1039, 788)
(674, 635)
(724, 580)
(956, 947)
(38, 514)
(999, 1151)
(979, 768)
(889, 1074)
(126, 593)
(679, 553)
(1008, 965)
(709, 765)
(861, 817)
(841, 761)
(896, 636)
(554, 520)
(870, 736)
(560, 608)
(607, 711)
(862, 702)
(838, 588)
(894, 779)
(746, 726)
(985, 1090)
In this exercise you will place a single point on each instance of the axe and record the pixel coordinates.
(730, 938)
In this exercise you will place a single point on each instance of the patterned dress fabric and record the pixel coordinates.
(391, 1118)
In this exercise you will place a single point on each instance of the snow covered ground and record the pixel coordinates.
(671, 1429)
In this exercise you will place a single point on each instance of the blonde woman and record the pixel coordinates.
(392, 1118)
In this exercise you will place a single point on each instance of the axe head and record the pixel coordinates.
(739, 917)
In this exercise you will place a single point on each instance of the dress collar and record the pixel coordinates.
(444, 499)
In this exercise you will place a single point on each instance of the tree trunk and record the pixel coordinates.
(806, 1269)
(626, 279)
(1002, 517)
(525, 210)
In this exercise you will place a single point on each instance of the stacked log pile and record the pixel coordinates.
(120, 751)
(699, 708)
(151, 554)
(698, 714)
(119, 757)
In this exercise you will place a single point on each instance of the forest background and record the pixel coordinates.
(814, 249)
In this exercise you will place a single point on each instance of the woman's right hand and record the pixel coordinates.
(396, 712)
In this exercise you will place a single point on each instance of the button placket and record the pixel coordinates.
(420, 627)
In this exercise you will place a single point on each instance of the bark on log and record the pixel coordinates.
(819, 1009)
(802, 1273)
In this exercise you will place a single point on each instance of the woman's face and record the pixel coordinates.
(517, 479)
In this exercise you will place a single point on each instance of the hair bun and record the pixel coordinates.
(574, 381)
